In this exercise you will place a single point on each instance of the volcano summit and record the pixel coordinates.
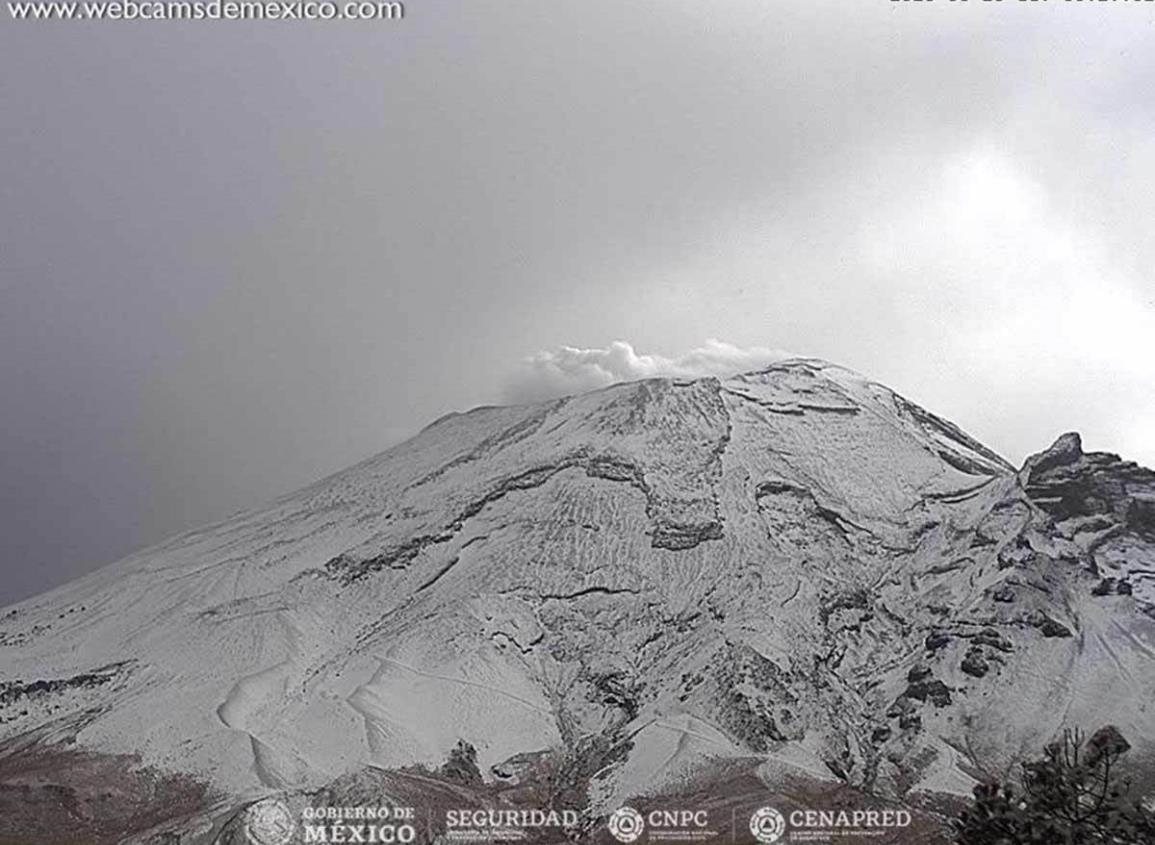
(793, 576)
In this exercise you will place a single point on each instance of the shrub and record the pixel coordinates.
(1074, 795)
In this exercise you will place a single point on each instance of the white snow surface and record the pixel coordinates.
(701, 568)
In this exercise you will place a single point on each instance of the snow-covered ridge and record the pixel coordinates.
(794, 564)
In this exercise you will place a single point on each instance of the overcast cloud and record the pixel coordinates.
(238, 256)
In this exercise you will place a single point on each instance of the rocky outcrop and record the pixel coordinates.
(1105, 506)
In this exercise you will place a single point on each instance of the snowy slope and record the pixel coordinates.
(794, 564)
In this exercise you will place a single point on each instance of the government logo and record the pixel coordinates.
(269, 822)
(767, 825)
(626, 824)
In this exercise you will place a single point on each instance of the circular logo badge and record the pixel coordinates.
(269, 822)
(767, 825)
(626, 824)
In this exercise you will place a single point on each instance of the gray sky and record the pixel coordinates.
(238, 256)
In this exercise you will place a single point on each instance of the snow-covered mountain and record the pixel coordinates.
(794, 568)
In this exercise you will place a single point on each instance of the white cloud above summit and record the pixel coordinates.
(570, 369)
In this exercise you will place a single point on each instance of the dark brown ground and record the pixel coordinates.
(59, 796)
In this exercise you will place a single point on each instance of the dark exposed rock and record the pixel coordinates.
(756, 699)
(838, 769)
(678, 537)
(975, 663)
(934, 691)
(1068, 449)
(910, 721)
(1106, 741)
(849, 600)
(616, 690)
(991, 637)
(778, 486)
(581, 764)
(900, 707)
(13, 691)
(982, 541)
(1047, 626)
(461, 767)
(1003, 593)
(616, 469)
(852, 600)
(918, 673)
(1112, 587)
(1066, 482)
(1140, 515)
(1018, 554)
(516, 768)
(936, 640)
